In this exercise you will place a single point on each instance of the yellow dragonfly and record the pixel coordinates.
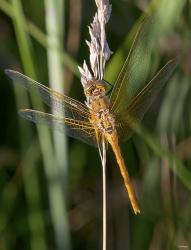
(105, 117)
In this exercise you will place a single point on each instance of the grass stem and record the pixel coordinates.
(55, 34)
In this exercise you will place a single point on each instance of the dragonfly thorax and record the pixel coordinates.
(98, 103)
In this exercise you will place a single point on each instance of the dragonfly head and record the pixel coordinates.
(95, 88)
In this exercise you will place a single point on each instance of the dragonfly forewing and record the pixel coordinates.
(62, 104)
(138, 66)
(134, 72)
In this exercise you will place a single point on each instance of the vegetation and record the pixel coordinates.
(51, 186)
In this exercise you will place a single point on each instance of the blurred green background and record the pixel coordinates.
(51, 185)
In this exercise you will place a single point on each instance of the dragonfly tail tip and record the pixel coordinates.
(137, 211)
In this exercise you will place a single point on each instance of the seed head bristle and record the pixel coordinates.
(98, 45)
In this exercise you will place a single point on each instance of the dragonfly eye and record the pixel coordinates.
(101, 88)
(89, 90)
(100, 85)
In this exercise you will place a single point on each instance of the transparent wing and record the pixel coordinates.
(61, 103)
(143, 100)
(137, 67)
(80, 130)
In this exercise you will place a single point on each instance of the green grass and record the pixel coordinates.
(50, 192)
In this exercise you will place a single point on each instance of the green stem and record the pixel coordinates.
(55, 33)
(36, 225)
(180, 170)
(39, 36)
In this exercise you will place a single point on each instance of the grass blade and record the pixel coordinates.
(55, 33)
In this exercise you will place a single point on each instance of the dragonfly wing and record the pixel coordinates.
(80, 130)
(143, 100)
(62, 104)
(135, 70)
(137, 67)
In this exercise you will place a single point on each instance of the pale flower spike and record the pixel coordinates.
(86, 75)
(98, 46)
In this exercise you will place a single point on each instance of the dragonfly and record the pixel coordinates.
(106, 117)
